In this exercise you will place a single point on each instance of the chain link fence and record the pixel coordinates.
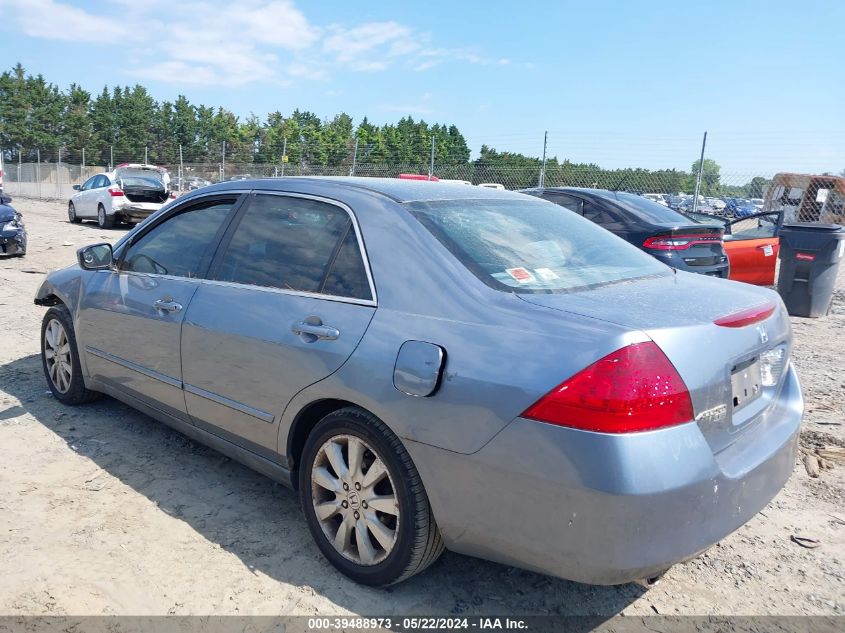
(52, 175)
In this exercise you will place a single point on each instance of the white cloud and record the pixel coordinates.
(371, 46)
(305, 71)
(431, 63)
(58, 21)
(220, 42)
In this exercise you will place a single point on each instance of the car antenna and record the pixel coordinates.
(619, 184)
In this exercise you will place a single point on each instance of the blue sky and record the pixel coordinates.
(617, 83)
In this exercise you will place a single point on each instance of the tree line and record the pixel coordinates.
(128, 123)
(36, 114)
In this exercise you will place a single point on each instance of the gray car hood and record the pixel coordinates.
(674, 300)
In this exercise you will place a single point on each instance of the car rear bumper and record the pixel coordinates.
(676, 260)
(136, 212)
(607, 509)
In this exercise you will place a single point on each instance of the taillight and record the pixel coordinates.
(635, 388)
(115, 192)
(679, 242)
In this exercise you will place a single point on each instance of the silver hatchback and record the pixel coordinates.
(439, 366)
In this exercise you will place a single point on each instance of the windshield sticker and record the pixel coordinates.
(522, 275)
(546, 274)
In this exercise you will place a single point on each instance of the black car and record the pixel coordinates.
(662, 232)
(12, 230)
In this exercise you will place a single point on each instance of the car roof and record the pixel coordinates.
(584, 191)
(398, 190)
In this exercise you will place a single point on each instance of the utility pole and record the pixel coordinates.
(59, 174)
(354, 158)
(145, 155)
(698, 177)
(111, 157)
(82, 166)
(38, 170)
(181, 169)
(223, 164)
(431, 164)
(543, 167)
(284, 155)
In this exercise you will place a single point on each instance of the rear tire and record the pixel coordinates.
(71, 214)
(375, 529)
(60, 358)
(104, 221)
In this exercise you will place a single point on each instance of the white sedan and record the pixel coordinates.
(130, 193)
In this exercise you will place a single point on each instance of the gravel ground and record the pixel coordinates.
(105, 511)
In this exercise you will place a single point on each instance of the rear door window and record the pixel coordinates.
(568, 202)
(296, 244)
(603, 215)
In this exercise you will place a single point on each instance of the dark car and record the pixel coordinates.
(662, 232)
(12, 230)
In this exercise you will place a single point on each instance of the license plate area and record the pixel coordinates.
(746, 383)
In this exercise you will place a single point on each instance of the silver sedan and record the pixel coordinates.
(437, 366)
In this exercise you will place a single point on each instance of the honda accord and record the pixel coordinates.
(437, 366)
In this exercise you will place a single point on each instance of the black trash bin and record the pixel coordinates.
(809, 260)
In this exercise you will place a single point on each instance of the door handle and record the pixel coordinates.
(315, 331)
(167, 305)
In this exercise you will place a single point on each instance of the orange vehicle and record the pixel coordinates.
(752, 244)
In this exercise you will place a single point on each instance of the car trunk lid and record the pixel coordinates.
(697, 245)
(143, 184)
(718, 363)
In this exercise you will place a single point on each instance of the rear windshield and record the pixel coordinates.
(140, 177)
(141, 183)
(532, 246)
(644, 208)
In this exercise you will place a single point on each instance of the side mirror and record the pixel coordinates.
(95, 257)
(77, 187)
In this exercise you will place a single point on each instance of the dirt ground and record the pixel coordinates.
(106, 511)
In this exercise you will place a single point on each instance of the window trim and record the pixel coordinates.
(224, 242)
(176, 210)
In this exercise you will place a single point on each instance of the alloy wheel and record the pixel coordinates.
(57, 356)
(71, 212)
(355, 500)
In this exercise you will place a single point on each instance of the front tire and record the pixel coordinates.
(71, 214)
(60, 358)
(103, 220)
(364, 501)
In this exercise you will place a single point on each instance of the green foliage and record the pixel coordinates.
(124, 122)
(709, 177)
